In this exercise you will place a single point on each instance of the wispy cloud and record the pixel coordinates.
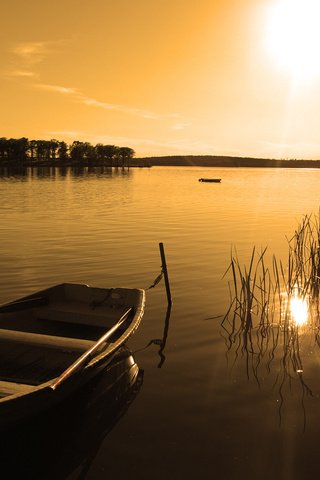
(120, 108)
(20, 73)
(79, 97)
(143, 146)
(31, 52)
(27, 56)
(58, 89)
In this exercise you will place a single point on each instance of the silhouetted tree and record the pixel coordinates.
(54, 145)
(32, 149)
(63, 152)
(16, 150)
(3, 149)
(82, 152)
(21, 150)
(106, 153)
(43, 149)
(125, 155)
(99, 148)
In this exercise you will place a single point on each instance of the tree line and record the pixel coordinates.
(22, 151)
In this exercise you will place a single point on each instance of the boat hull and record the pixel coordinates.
(57, 340)
(210, 180)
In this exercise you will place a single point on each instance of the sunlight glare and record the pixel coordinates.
(293, 37)
(299, 310)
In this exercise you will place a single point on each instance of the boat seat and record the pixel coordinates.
(70, 312)
(12, 388)
(49, 341)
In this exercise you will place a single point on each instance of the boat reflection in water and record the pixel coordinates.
(55, 444)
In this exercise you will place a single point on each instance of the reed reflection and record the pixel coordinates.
(273, 317)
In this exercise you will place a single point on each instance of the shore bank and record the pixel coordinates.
(224, 161)
(176, 161)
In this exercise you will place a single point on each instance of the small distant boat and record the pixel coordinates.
(54, 341)
(213, 180)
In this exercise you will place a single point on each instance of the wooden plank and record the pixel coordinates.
(50, 341)
(80, 313)
(86, 356)
(24, 304)
(12, 388)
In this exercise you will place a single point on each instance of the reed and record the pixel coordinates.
(264, 291)
(304, 247)
(259, 324)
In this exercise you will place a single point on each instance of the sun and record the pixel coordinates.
(293, 37)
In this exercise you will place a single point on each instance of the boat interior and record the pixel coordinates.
(42, 334)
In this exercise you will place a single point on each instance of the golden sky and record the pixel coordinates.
(219, 77)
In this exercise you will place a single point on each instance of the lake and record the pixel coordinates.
(205, 409)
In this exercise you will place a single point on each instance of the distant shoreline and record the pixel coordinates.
(173, 161)
(224, 161)
(21, 152)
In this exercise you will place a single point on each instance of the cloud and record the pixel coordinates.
(79, 97)
(19, 73)
(26, 56)
(32, 53)
(57, 88)
(22, 73)
(143, 146)
(29, 54)
(120, 108)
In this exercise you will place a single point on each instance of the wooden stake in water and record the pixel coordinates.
(165, 273)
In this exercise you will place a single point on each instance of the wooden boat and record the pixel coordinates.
(54, 341)
(214, 180)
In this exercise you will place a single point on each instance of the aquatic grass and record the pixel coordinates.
(304, 247)
(259, 324)
(263, 292)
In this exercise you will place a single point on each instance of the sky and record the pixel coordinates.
(164, 77)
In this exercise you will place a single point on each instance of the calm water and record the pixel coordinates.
(204, 414)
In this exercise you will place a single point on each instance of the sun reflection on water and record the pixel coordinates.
(299, 310)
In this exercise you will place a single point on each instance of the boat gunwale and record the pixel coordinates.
(97, 362)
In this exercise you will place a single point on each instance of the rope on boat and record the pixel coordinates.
(157, 280)
(95, 303)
